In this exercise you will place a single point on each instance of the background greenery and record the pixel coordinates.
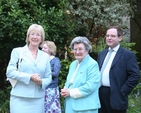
(62, 20)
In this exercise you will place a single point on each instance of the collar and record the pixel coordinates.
(51, 57)
(115, 48)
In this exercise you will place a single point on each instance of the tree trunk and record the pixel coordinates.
(135, 25)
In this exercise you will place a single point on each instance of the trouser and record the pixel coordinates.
(104, 94)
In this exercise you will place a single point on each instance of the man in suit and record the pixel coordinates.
(120, 75)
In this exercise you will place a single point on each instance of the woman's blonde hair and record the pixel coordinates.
(52, 47)
(37, 28)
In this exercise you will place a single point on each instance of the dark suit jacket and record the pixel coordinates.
(124, 76)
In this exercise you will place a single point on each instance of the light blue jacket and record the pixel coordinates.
(25, 87)
(87, 81)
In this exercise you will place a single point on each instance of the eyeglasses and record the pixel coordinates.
(78, 49)
(112, 36)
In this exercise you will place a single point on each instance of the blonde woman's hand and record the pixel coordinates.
(36, 78)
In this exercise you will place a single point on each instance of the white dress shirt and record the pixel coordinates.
(105, 75)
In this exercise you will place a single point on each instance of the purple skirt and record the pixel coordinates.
(52, 100)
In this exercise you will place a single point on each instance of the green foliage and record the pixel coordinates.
(99, 45)
(100, 13)
(59, 26)
(4, 100)
(62, 77)
(64, 72)
(135, 100)
(58, 30)
(16, 16)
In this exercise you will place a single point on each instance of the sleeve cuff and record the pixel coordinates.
(75, 93)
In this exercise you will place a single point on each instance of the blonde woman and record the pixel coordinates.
(34, 74)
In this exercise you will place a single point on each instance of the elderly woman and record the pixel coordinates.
(32, 76)
(83, 80)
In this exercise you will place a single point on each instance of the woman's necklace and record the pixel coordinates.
(34, 54)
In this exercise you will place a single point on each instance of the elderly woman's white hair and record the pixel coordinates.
(81, 39)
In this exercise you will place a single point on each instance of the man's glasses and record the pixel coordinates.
(112, 36)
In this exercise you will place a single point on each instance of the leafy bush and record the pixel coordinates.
(4, 100)
(135, 100)
(62, 78)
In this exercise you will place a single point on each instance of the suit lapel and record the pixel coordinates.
(27, 53)
(117, 56)
(39, 56)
